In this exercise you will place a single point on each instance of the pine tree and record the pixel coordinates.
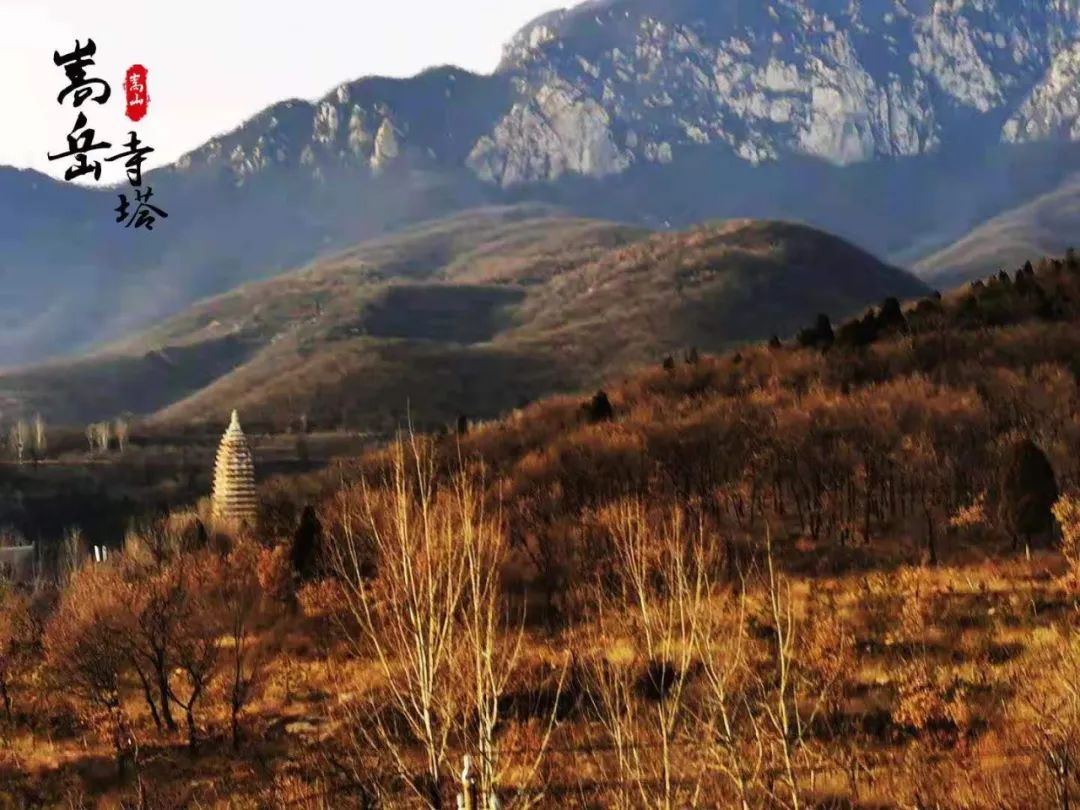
(1029, 491)
(306, 543)
(892, 316)
(599, 408)
(820, 336)
(1072, 261)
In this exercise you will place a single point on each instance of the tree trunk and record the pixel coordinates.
(235, 724)
(867, 504)
(429, 788)
(6, 697)
(163, 690)
(148, 695)
(930, 541)
(193, 741)
(236, 703)
(121, 739)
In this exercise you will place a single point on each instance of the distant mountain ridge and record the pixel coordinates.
(606, 85)
(897, 124)
(472, 314)
(1047, 226)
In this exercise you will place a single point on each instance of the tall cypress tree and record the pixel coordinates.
(1029, 491)
(307, 542)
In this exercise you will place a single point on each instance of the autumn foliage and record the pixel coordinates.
(790, 576)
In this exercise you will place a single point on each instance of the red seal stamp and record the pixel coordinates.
(138, 99)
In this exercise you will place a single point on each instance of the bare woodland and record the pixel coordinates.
(840, 571)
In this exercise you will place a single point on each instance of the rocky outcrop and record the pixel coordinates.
(557, 131)
(1052, 109)
(843, 82)
(387, 149)
(614, 83)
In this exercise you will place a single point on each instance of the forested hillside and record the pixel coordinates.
(836, 571)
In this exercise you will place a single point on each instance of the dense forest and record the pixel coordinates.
(839, 570)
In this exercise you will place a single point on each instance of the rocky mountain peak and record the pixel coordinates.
(845, 81)
(605, 85)
(893, 123)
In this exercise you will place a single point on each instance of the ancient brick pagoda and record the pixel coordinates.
(234, 500)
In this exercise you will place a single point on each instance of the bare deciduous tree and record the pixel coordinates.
(121, 430)
(241, 597)
(407, 614)
(73, 550)
(39, 437)
(660, 604)
(198, 638)
(98, 436)
(84, 650)
(1047, 717)
(154, 606)
(18, 439)
(15, 637)
(432, 617)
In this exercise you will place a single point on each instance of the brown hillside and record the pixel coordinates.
(785, 576)
(475, 315)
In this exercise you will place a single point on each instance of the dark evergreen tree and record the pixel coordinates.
(599, 408)
(774, 343)
(1028, 492)
(1047, 308)
(669, 363)
(891, 317)
(820, 336)
(1022, 282)
(928, 306)
(463, 425)
(307, 543)
(859, 332)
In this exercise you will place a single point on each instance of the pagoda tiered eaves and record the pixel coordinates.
(234, 499)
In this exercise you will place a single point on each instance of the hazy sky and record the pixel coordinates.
(213, 63)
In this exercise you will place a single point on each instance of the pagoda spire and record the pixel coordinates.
(234, 499)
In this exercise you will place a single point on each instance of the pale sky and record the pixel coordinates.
(214, 63)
